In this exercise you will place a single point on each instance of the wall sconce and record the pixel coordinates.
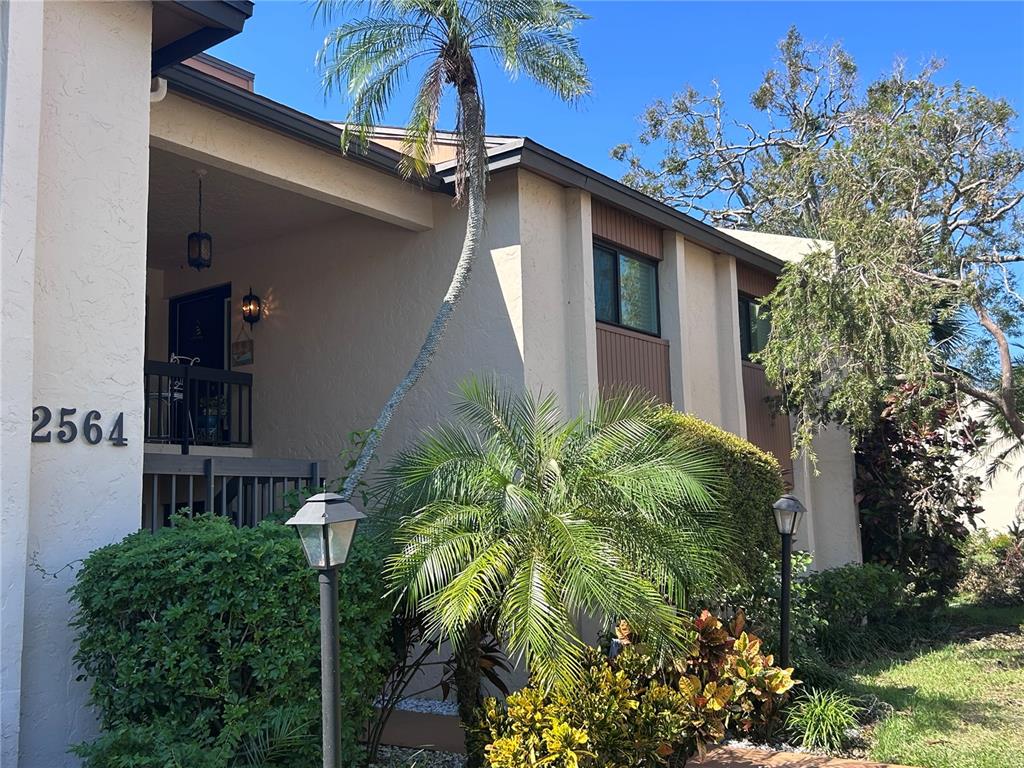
(252, 308)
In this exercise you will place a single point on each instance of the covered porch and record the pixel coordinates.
(242, 411)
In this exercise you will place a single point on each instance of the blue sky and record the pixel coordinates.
(639, 51)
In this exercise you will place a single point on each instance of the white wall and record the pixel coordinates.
(713, 385)
(831, 532)
(559, 328)
(87, 77)
(21, 58)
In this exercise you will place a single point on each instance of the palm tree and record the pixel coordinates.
(515, 520)
(371, 56)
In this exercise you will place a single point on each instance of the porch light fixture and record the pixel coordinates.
(788, 513)
(326, 525)
(200, 244)
(252, 307)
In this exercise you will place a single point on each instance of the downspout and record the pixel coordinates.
(157, 90)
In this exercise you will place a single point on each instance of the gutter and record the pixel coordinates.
(528, 154)
(269, 114)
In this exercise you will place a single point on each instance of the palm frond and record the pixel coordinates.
(517, 517)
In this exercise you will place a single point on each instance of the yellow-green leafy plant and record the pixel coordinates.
(639, 709)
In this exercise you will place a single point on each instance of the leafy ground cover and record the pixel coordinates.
(960, 704)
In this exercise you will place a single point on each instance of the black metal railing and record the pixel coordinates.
(189, 405)
(246, 490)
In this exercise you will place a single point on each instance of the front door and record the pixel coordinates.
(198, 326)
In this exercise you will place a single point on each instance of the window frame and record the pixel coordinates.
(751, 301)
(620, 253)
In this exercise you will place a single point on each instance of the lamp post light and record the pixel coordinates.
(788, 511)
(326, 524)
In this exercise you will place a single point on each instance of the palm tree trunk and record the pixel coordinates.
(467, 690)
(475, 183)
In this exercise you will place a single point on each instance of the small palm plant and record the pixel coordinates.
(516, 520)
(369, 58)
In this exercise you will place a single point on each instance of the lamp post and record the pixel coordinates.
(788, 511)
(326, 524)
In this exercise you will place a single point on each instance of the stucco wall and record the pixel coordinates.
(87, 348)
(21, 48)
(831, 532)
(347, 307)
(559, 329)
(713, 387)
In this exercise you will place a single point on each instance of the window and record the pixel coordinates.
(625, 290)
(754, 327)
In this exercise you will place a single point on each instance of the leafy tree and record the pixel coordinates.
(916, 187)
(917, 505)
(517, 521)
(370, 57)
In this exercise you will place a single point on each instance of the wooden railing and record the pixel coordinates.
(247, 490)
(630, 360)
(188, 405)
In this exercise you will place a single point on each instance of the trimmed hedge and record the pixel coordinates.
(202, 645)
(752, 483)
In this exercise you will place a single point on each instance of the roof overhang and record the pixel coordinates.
(272, 115)
(183, 28)
(528, 154)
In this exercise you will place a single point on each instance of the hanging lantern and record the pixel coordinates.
(200, 244)
(252, 307)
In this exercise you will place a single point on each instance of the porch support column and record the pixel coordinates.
(582, 383)
(672, 298)
(21, 65)
(89, 326)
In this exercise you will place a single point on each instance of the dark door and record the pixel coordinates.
(198, 326)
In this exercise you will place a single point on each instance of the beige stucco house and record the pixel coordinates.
(109, 422)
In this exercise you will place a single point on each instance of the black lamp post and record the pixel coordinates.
(326, 525)
(788, 511)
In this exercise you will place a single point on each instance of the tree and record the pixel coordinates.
(917, 505)
(519, 522)
(370, 57)
(915, 186)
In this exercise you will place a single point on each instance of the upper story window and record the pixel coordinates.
(754, 326)
(625, 290)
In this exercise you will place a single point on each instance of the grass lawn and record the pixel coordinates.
(960, 705)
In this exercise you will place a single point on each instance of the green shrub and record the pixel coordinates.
(635, 712)
(202, 646)
(820, 719)
(841, 615)
(752, 482)
(994, 569)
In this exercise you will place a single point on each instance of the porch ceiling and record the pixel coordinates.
(238, 211)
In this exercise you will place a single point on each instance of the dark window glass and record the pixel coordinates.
(625, 290)
(605, 290)
(754, 327)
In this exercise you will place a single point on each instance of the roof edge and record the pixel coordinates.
(275, 116)
(528, 154)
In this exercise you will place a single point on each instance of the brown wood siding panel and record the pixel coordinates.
(626, 359)
(625, 230)
(767, 427)
(754, 282)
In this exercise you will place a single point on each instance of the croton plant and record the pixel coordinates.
(642, 708)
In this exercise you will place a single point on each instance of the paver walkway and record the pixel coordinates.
(734, 757)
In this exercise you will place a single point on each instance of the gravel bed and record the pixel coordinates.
(429, 706)
(401, 757)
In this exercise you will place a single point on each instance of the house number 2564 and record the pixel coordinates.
(69, 428)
